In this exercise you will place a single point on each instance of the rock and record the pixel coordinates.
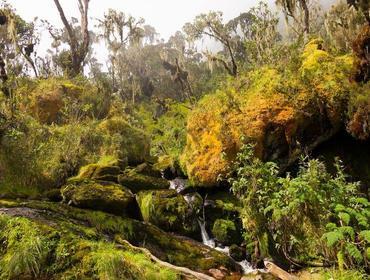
(53, 195)
(148, 169)
(226, 232)
(237, 253)
(104, 170)
(217, 273)
(169, 167)
(103, 227)
(169, 211)
(103, 196)
(138, 182)
(223, 205)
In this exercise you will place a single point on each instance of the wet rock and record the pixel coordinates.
(237, 253)
(103, 171)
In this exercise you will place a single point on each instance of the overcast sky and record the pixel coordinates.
(167, 16)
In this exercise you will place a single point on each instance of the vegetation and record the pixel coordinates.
(112, 169)
(314, 216)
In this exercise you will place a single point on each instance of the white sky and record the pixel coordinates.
(167, 16)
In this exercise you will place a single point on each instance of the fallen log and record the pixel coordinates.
(183, 270)
(278, 272)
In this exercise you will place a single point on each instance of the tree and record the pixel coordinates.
(212, 26)
(291, 9)
(18, 39)
(342, 24)
(363, 6)
(78, 48)
(119, 31)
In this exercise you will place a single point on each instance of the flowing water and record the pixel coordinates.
(179, 185)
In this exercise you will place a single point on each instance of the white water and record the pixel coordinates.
(246, 266)
(179, 185)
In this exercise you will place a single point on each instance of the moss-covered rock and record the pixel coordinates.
(107, 169)
(41, 245)
(126, 141)
(99, 225)
(138, 182)
(103, 196)
(283, 112)
(169, 211)
(226, 232)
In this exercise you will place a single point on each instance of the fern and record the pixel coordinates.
(365, 235)
(333, 237)
(354, 252)
(345, 218)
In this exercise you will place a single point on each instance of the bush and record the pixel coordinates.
(312, 215)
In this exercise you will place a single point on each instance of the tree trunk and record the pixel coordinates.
(306, 12)
(78, 50)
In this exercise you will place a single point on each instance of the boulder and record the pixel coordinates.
(105, 170)
(169, 211)
(106, 228)
(138, 182)
(104, 196)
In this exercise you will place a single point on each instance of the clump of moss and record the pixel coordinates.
(125, 140)
(226, 232)
(169, 211)
(283, 112)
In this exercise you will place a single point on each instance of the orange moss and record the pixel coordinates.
(279, 113)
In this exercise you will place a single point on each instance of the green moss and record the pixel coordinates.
(125, 141)
(102, 196)
(138, 182)
(34, 249)
(169, 211)
(170, 248)
(226, 232)
(106, 169)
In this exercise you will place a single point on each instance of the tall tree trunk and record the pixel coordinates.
(78, 50)
(306, 12)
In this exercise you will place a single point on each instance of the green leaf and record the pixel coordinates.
(333, 237)
(344, 217)
(354, 252)
(339, 208)
(365, 235)
(331, 226)
(347, 230)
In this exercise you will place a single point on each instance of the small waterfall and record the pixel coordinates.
(205, 237)
(180, 185)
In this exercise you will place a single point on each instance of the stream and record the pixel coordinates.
(180, 185)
